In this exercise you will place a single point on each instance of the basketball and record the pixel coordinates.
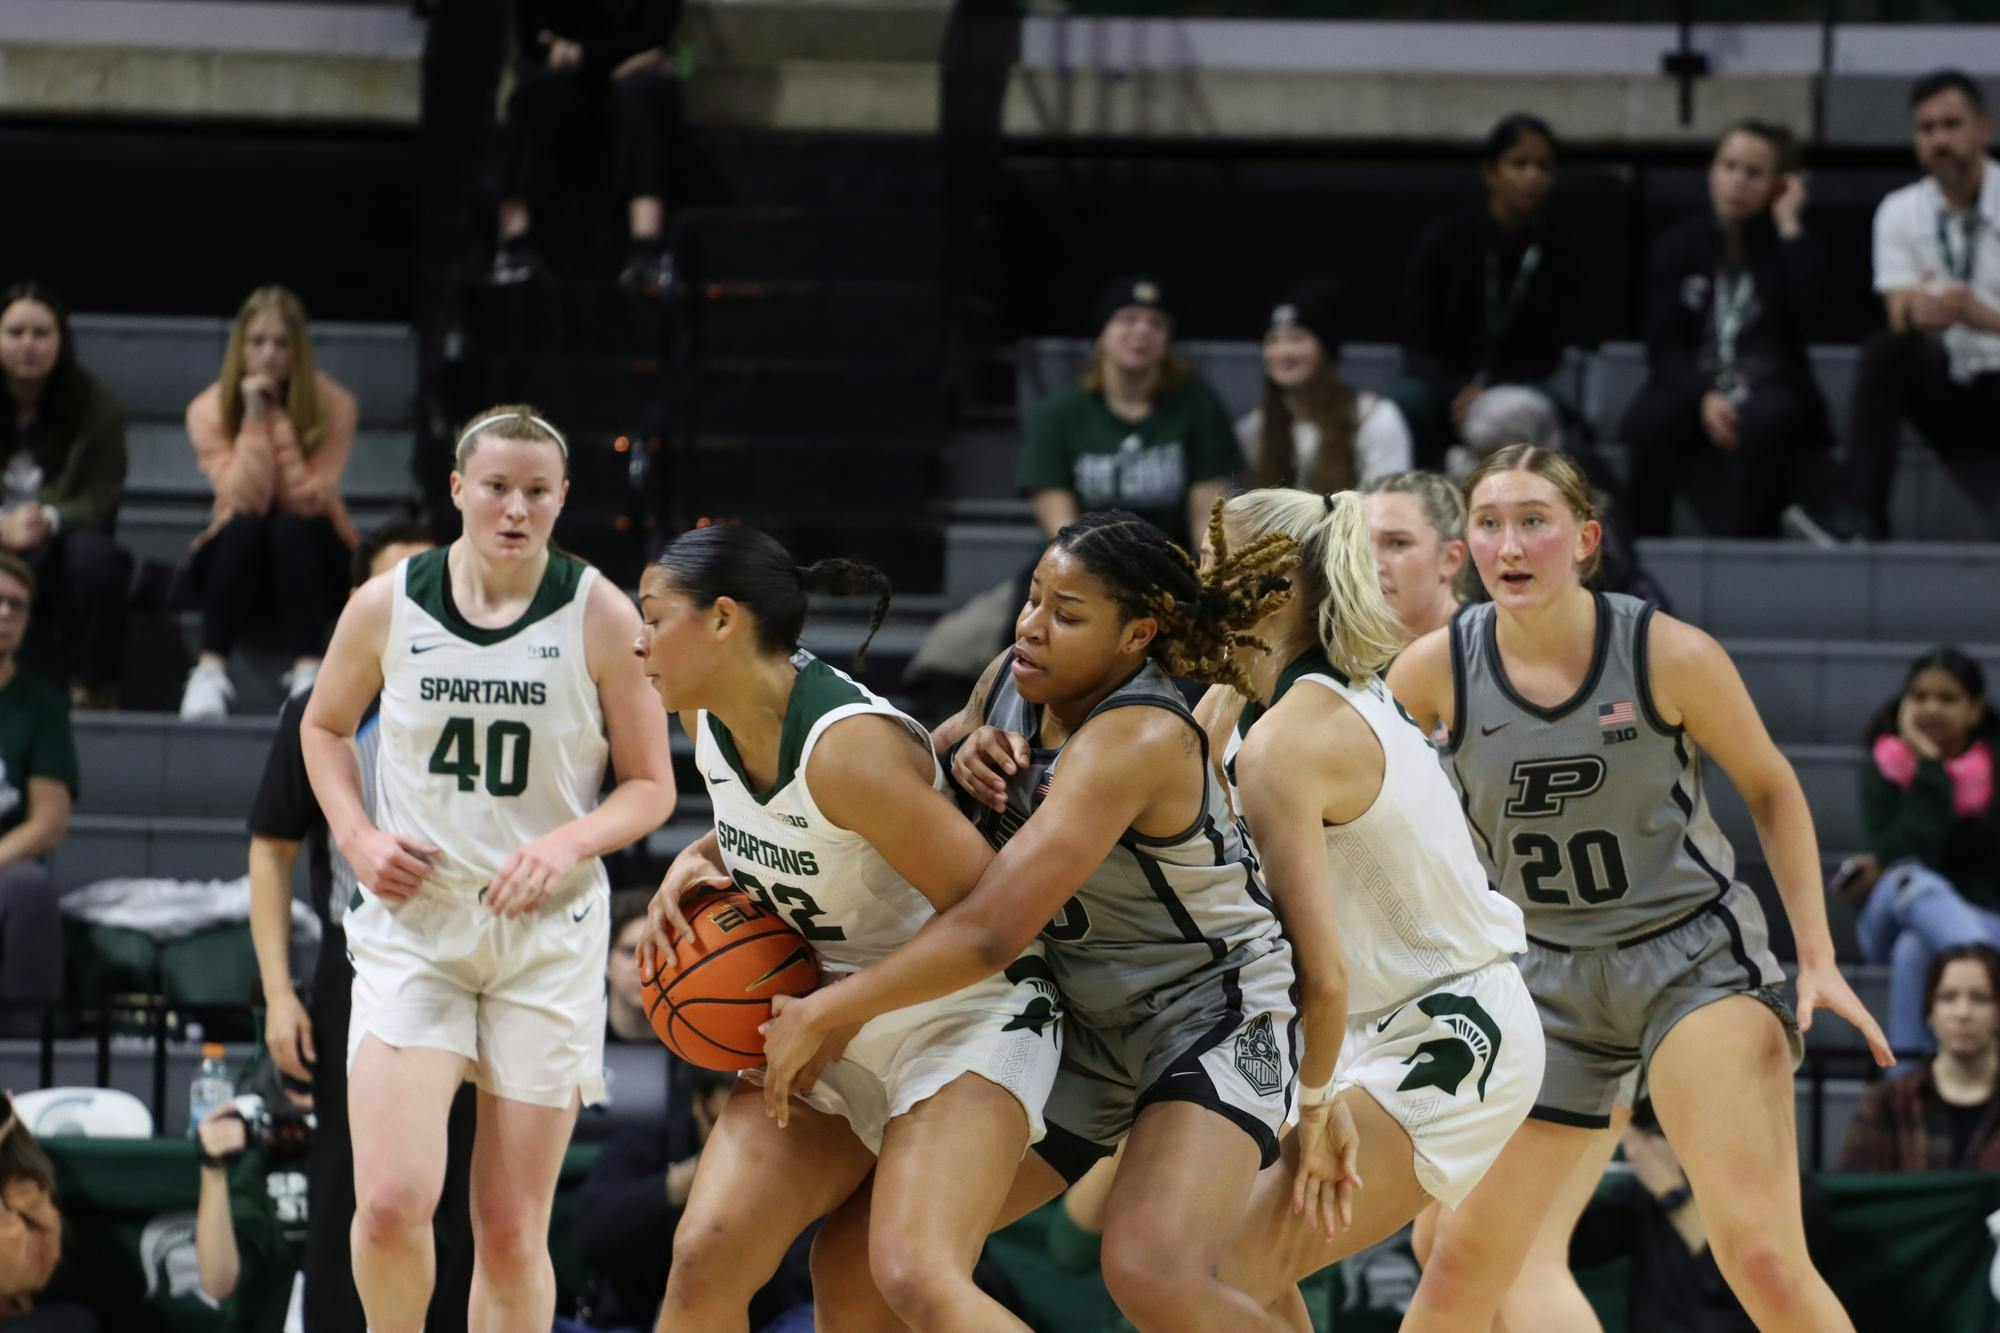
(708, 1003)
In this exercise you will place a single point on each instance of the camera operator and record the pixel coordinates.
(250, 1225)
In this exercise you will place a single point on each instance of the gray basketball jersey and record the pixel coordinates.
(1591, 814)
(1159, 913)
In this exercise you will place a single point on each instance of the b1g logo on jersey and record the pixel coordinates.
(1258, 1058)
(1542, 785)
(1443, 1062)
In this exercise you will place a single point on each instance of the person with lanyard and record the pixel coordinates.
(1729, 415)
(1937, 265)
(1489, 304)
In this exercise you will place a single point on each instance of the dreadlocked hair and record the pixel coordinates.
(1204, 615)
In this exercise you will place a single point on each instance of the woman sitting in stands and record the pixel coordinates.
(1313, 430)
(1945, 1115)
(62, 475)
(272, 434)
(1141, 431)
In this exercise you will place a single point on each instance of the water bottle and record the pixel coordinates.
(212, 1086)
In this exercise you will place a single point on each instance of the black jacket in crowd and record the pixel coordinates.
(1680, 307)
(1444, 306)
(609, 31)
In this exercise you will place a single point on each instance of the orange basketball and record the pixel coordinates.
(708, 1003)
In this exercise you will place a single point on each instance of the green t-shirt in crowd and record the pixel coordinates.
(267, 1209)
(1074, 442)
(35, 742)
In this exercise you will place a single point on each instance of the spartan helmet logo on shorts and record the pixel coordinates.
(1257, 1057)
(1045, 1004)
(1443, 1062)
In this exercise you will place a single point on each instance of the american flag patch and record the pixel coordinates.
(1615, 715)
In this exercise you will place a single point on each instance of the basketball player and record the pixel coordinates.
(1117, 846)
(479, 930)
(1577, 724)
(1423, 1051)
(831, 810)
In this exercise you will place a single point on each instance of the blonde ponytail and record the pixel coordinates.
(1337, 574)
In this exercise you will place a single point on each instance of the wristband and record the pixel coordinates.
(223, 1163)
(1309, 1098)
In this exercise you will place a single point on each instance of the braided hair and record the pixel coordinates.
(1204, 615)
(751, 568)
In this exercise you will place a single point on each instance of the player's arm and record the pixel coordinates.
(1696, 685)
(1112, 773)
(869, 776)
(641, 759)
(969, 718)
(1420, 678)
(350, 676)
(1287, 773)
(981, 758)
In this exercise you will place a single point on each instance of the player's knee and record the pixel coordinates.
(709, 1262)
(390, 1210)
(1460, 1278)
(912, 1279)
(511, 1241)
(1767, 1274)
(1151, 1286)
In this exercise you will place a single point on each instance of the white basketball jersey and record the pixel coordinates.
(490, 738)
(1410, 898)
(829, 883)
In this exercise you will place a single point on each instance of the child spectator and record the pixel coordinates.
(1944, 1115)
(1937, 267)
(1493, 299)
(1141, 432)
(568, 56)
(1314, 431)
(1730, 414)
(633, 1199)
(38, 780)
(1418, 522)
(62, 448)
(1932, 871)
(272, 434)
(250, 1217)
(625, 1008)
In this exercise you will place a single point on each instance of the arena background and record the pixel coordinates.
(889, 220)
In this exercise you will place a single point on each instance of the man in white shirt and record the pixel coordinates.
(1937, 265)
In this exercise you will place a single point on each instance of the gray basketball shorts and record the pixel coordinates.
(1605, 1009)
(1229, 1041)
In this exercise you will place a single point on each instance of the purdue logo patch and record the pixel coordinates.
(1443, 1062)
(1257, 1057)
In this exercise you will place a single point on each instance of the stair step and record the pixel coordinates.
(806, 243)
(797, 398)
(571, 317)
(891, 323)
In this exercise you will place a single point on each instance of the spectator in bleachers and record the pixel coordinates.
(251, 1212)
(272, 434)
(1313, 430)
(1493, 299)
(625, 1007)
(62, 448)
(310, 1043)
(1944, 1115)
(1141, 432)
(1653, 1218)
(1937, 266)
(1730, 415)
(569, 55)
(38, 780)
(31, 1235)
(1932, 871)
(1418, 522)
(633, 1199)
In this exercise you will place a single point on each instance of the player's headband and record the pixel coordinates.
(497, 418)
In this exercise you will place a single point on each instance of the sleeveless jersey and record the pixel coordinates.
(1410, 897)
(1590, 814)
(830, 883)
(489, 738)
(1158, 913)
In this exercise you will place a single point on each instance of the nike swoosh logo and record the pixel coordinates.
(717, 782)
(578, 916)
(1398, 1009)
(424, 647)
(1488, 731)
(799, 955)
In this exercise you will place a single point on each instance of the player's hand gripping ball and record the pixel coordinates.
(708, 1002)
